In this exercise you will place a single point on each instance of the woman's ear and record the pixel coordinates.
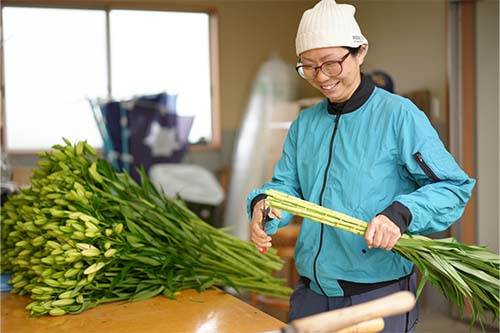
(362, 53)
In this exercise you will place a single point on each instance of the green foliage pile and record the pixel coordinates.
(83, 235)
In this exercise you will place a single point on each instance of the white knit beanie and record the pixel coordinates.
(328, 24)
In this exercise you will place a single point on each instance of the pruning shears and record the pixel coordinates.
(264, 220)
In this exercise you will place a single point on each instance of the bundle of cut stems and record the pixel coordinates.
(83, 235)
(463, 273)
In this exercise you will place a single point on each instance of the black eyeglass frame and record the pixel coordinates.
(300, 70)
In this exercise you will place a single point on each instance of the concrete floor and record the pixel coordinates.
(435, 316)
(435, 322)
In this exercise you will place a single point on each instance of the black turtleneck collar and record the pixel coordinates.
(357, 99)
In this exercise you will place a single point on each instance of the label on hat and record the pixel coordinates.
(357, 39)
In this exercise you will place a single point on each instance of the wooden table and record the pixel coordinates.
(192, 312)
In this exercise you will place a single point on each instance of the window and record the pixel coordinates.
(55, 59)
(48, 73)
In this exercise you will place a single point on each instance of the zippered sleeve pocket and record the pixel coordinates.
(425, 167)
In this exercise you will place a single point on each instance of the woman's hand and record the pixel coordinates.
(382, 233)
(258, 236)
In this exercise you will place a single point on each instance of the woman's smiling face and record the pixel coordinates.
(341, 87)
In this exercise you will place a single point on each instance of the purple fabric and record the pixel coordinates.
(145, 112)
(152, 119)
(111, 115)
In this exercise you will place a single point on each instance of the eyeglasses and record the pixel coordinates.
(329, 68)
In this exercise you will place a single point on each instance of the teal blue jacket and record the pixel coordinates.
(384, 152)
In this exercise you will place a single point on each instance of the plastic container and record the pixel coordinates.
(196, 185)
(4, 282)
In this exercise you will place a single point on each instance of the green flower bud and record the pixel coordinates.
(37, 291)
(91, 234)
(68, 283)
(20, 284)
(65, 295)
(91, 252)
(57, 312)
(118, 228)
(31, 305)
(16, 278)
(38, 309)
(71, 272)
(94, 174)
(66, 229)
(53, 244)
(109, 253)
(79, 148)
(57, 251)
(78, 265)
(57, 212)
(94, 268)
(52, 283)
(24, 252)
(59, 155)
(47, 272)
(91, 227)
(48, 260)
(78, 235)
(37, 241)
(22, 243)
(63, 302)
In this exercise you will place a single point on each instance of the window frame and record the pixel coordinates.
(107, 6)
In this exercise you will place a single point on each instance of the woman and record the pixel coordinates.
(364, 152)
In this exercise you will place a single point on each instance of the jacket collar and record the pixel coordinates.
(360, 96)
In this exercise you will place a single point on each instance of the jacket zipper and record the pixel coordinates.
(427, 170)
(337, 117)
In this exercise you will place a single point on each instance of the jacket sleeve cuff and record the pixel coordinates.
(257, 198)
(399, 214)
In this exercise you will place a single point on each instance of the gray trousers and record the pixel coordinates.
(305, 302)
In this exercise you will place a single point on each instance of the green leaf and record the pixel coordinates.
(147, 293)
